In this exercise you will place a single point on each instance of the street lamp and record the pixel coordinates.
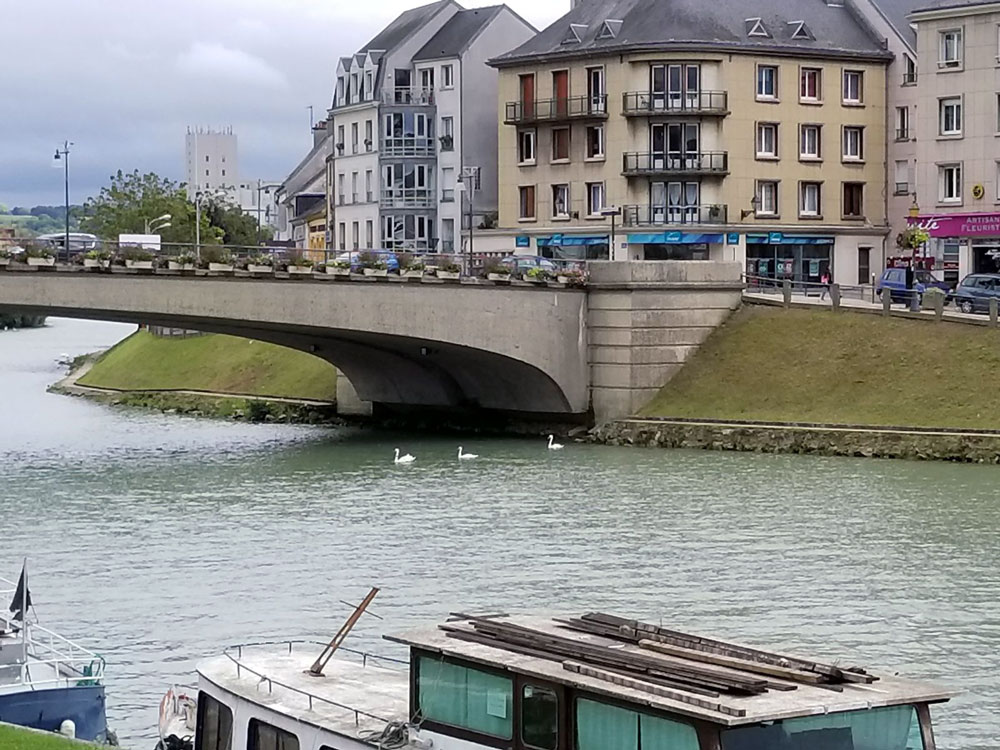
(467, 184)
(155, 225)
(261, 187)
(64, 155)
(614, 212)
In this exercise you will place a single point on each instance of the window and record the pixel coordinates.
(526, 147)
(909, 71)
(864, 265)
(902, 186)
(263, 736)
(880, 727)
(854, 194)
(354, 138)
(447, 133)
(767, 140)
(902, 123)
(595, 142)
(354, 187)
(223, 173)
(206, 159)
(526, 201)
(343, 236)
(767, 82)
(595, 198)
(853, 86)
(853, 143)
(340, 137)
(767, 198)
(206, 174)
(950, 48)
(810, 89)
(950, 183)
(809, 197)
(595, 90)
(539, 717)
(950, 116)
(447, 76)
(340, 190)
(355, 235)
(560, 201)
(465, 697)
(369, 233)
(215, 724)
(368, 186)
(368, 84)
(369, 138)
(809, 141)
(998, 113)
(560, 144)
(600, 726)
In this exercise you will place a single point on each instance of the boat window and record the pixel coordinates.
(264, 736)
(894, 728)
(540, 717)
(600, 726)
(464, 697)
(215, 724)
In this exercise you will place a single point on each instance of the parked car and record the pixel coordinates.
(894, 279)
(522, 263)
(976, 290)
(353, 257)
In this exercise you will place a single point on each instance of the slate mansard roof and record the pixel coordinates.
(458, 33)
(612, 26)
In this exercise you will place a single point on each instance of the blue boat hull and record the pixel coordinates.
(48, 709)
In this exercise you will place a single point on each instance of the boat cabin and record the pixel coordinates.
(597, 682)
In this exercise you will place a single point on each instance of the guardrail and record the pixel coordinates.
(776, 286)
(560, 109)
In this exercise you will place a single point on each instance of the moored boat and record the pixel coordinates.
(47, 682)
(595, 682)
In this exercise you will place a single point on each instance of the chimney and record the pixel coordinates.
(319, 132)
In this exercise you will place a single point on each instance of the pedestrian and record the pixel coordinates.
(825, 279)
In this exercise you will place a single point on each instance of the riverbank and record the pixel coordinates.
(17, 738)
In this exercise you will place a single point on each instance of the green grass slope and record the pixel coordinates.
(213, 362)
(12, 738)
(816, 366)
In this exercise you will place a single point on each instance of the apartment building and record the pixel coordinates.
(413, 127)
(958, 126)
(302, 198)
(709, 134)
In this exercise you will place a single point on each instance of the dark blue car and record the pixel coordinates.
(894, 279)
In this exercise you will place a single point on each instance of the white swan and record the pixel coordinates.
(462, 456)
(554, 446)
(407, 459)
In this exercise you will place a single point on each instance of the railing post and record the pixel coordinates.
(835, 296)
(886, 302)
(786, 292)
(993, 312)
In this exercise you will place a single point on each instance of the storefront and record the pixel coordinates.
(570, 247)
(962, 243)
(777, 255)
(674, 245)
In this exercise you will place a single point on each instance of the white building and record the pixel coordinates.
(414, 110)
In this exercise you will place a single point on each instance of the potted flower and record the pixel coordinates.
(339, 268)
(138, 258)
(536, 275)
(299, 265)
(97, 259)
(496, 271)
(449, 271)
(216, 260)
(411, 267)
(182, 262)
(260, 264)
(372, 264)
(571, 276)
(40, 256)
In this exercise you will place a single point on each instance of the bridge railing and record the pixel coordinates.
(776, 286)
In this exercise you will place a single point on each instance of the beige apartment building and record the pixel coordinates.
(756, 139)
(958, 135)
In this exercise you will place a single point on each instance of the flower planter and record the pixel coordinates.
(254, 268)
(41, 261)
(334, 271)
(498, 276)
(534, 279)
(139, 265)
(376, 271)
(4, 262)
(300, 270)
(412, 274)
(173, 265)
(449, 275)
(95, 263)
(220, 267)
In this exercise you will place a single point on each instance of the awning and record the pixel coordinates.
(563, 240)
(675, 238)
(779, 238)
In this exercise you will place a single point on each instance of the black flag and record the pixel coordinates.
(22, 598)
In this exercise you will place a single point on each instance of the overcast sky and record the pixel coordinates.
(123, 79)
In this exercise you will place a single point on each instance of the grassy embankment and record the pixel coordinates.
(150, 370)
(12, 738)
(777, 365)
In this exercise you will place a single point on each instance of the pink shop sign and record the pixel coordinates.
(959, 225)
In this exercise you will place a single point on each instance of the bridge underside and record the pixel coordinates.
(383, 368)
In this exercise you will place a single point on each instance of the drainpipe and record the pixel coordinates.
(461, 151)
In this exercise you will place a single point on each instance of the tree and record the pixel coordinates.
(237, 228)
(133, 198)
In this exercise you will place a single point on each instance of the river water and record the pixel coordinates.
(158, 539)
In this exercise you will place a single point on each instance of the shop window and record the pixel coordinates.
(539, 717)
(264, 736)
(465, 697)
(215, 724)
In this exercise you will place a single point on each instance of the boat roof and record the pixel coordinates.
(704, 678)
(358, 691)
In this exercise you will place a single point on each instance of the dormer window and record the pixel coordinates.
(801, 31)
(574, 34)
(755, 27)
(610, 29)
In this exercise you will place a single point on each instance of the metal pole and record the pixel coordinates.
(612, 254)
(197, 226)
(66, 173)
(472, 192)
(258, 213)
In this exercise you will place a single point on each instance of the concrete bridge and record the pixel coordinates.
(602, 350)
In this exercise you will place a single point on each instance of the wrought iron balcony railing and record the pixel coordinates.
(646, 103)
(637, 164)
(639, 216)
(414, 96)
(562, 109)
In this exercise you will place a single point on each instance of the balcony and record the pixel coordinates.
(408, 96)
(564, 109)
(646, 104)
(910, 78)
(652, 216)
(408, 198)
(404, 146)
(902, 134)
(659, 164)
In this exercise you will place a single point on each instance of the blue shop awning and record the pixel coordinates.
(675, 238)
(777, 238)
(563, 240)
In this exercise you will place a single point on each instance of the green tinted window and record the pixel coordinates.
(600, 726)
(465, 698)
(894, 728)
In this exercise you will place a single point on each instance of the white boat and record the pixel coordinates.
(47, 682)
(594, 682)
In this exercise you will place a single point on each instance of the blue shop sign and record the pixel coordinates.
(522, 240)
(775, 238)
(733, 238)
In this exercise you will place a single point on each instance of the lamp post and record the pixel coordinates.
(261, 187)
(467, 184)
(155, 225)
(64, 155)
(614, 212)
